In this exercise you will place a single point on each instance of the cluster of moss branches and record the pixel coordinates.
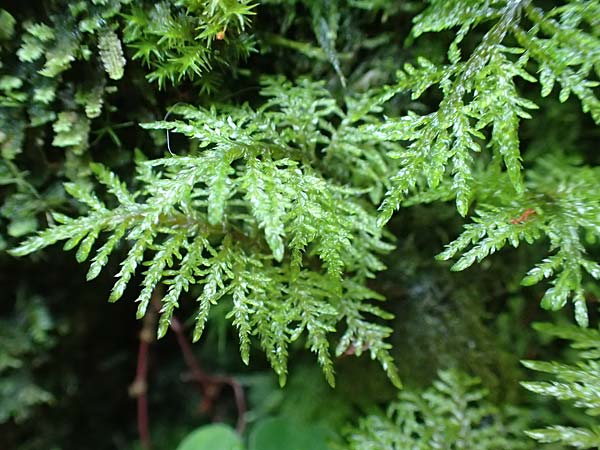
(280, 167)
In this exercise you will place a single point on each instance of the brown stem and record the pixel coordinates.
(240, 403)
(138, 388)
(188, 355)
(210, 384)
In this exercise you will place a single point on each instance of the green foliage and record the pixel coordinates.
(276, 433)
(19, 209)
(71, 130)
(325, 22)
(453, 413)
(186, 39)
(480, 98)
(58, 69)
(37, 67)
(111, 54)
(7, 25)
(211, 437)
(45, 55)
(578, 383)
(24, 338)
(231, 219)
(562, 205)
(270, 205)
(269, 434)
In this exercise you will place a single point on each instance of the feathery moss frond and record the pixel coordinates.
(453, 413)
(480, 100)
(578, 383)
(186, 39)
(560, 206)
(248, 218)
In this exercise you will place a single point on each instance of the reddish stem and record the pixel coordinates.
(139, 387)
(188, 354)
(210, 384)
(240, 403)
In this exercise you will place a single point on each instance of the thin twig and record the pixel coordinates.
(186, 350)
(210, 384)
(139, 387)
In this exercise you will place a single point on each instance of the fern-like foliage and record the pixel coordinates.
(184, 39)
(452, 414)
(578, 383)
(247, 218)
(481, 103)
(561, 205)
(59, 69)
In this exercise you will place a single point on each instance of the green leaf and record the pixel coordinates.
(40, 30)
(220, 190)
(212, 437)
(279, 432)
(22, 226)
(555, 298)
(7, 25)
